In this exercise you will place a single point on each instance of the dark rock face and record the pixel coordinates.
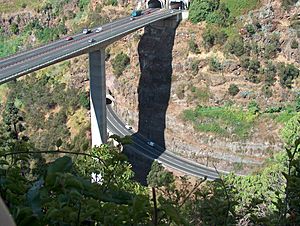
(155, 56)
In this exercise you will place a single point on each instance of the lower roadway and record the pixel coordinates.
(167, 158)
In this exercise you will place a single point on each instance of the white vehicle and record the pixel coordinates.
(91, 40)
(99, 29)
(128, 127)
(150, 143)
(86, 31)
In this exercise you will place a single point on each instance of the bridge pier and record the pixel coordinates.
(98, 97)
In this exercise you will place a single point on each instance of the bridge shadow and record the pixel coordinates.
(155, 58)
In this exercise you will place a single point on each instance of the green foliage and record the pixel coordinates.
(287, 74)
(83, 4)
(84, 100)
(199, 9)
(14, 28)
(294, 44)
(291, 132)
(287, 4)
(250, 29)
(272, 46)
(267, 91)
(270, 73)
(61, 192)
(233, 89)
(235, 46)
(193, 46)
(195, 66)
(120, 62)
(223, 121)
(212, 36)
(215, 65)
(240, 7)
(253, 107)
(112, 2)
(158, 177)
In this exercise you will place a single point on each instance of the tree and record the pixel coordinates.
(199, 9)
(291, 131)
(235, 46)
(119, 63)
(287, 74)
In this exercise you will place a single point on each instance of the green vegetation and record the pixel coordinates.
(215, 65)
(120, 62)
(193, 46)
(200, 9)
(240, 7)
(17, 5)
(235, 45)
(294, 44)
(287, 74)
(223, 121)
(233, 89)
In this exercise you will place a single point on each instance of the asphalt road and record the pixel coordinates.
(167, 158)
(29, 61)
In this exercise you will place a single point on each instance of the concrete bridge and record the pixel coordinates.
(94, 45)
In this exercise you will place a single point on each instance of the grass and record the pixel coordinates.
(224, 121)
(3, 92)
(17, 5)
(283, 116)
(239, 7)
(10, 45)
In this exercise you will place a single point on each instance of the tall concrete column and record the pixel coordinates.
(98, 97)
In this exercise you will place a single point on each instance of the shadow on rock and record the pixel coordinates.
(155, 57)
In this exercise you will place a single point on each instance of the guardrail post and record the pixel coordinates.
(98, 97)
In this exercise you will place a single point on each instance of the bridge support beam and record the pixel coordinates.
(98, 97)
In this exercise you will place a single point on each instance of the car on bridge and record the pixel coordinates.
(99, 29)
(86, 31)
(69, 38)
(150, 143)
(91, 40)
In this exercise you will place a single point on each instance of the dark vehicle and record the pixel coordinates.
(86, 31)
(91, 40)
(136, 13)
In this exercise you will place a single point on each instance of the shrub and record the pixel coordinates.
(199, 9)
(193, 47)
(272, 46)
(212, 36)
(220, 37)
(253, 107)
(14, 28)
(297, 104)
(215, 65)
(235, 46)
(287, 74)
(250, 29)
(84, 100)
(119, 63)
(270, 73)
(233, 89)
(208, 38)
(267, 91)
(294, 44)
(195, 66)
